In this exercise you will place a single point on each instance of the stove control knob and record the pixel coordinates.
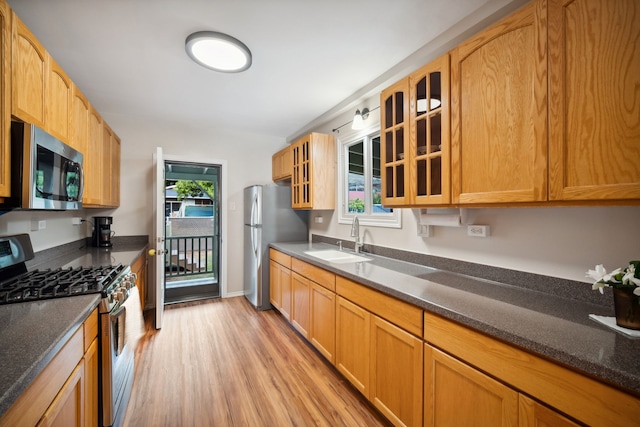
(110, 297)
(119, 296)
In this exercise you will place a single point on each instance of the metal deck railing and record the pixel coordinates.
(189, 256)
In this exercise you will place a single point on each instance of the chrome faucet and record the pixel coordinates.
(355, 232)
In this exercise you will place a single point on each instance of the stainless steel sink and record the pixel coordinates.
(340, 257)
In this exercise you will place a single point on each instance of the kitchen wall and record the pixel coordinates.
(560, 242)
(248, 161)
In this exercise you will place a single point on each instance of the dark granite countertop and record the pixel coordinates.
(32, 333)
(554, 327)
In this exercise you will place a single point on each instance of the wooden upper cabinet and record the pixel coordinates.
(394, 145)
(93, 161)
(116, 147)
(594, 112)
(58, 102)
(313, 174)
(107, 162)
(79, 121)
(110, 159)
(499, 111)
(429, 125)
(282, 164)
(29, 75)
(5, 99)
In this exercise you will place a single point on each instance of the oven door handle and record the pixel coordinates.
(119, 319)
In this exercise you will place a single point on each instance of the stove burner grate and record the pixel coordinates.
(55, 283)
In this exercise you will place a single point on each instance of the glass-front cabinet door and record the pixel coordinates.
(395, 142)
(301, 178)
(429, 126)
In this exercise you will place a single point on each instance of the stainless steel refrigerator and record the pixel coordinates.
(268, 217)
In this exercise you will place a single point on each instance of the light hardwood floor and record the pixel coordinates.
(222, 363)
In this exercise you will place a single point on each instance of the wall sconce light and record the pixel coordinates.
(359, 118)
(218, 51)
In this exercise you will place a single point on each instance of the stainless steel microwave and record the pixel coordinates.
(46, 173)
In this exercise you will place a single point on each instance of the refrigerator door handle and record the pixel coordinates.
(254, 210)
(254, 241)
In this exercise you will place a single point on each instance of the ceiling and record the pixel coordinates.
(312, 59)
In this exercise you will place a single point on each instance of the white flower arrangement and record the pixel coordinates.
(628, 279)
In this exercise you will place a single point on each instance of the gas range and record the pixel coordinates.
(17, 284)
(121, 323)
(56, 283)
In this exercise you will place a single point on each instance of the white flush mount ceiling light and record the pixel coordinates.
(218, 51)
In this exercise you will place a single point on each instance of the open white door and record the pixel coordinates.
(158, 232)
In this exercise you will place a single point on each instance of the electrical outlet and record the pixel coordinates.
(478, 230)
(76, 221)
(37, 225)
(318, 220)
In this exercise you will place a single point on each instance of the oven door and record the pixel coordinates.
(121, 330)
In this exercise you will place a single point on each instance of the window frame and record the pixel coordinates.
(368, 218)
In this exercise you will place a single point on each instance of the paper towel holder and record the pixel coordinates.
(427, 218)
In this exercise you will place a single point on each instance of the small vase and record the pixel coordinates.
(627, 308)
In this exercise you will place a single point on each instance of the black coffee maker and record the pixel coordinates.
(101, 237)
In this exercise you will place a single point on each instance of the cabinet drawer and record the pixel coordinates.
(400, 313)
(280, 258)
(90, 328)
(322, 277)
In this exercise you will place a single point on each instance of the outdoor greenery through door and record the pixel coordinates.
(192, 237)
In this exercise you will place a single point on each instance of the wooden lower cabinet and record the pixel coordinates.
(455, 394)
(300, 303)
(534, 414)
(352, 343)
(418, 368)
(322, 331)
(67, 409)
(382, 361)
(396, 373)
(275, 290)
(65, 393)
(139, 267)
(286, 292)
(280, 288)
(91, 385)
(471, 365)
(280, 282)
